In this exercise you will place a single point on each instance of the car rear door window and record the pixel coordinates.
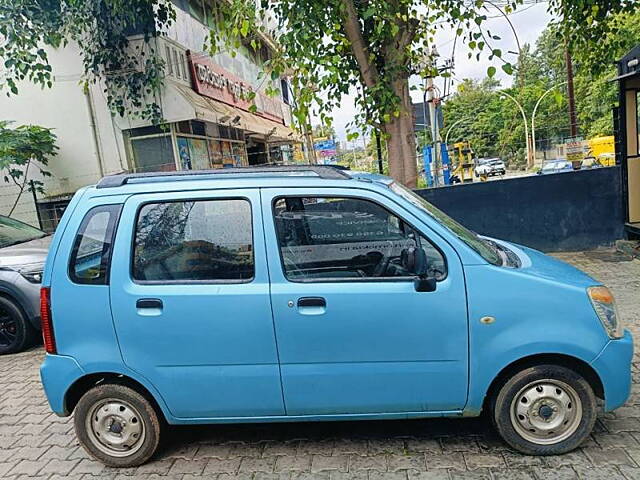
(91, 254)
(194, 241)
(324, 238)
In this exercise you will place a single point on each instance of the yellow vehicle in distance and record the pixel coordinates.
(461, 156)
(602, 150)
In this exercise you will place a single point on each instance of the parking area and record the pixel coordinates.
(34, 443)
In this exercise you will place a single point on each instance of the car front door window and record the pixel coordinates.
(334, 238)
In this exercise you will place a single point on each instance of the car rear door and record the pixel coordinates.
(190, 302)
(354, 336)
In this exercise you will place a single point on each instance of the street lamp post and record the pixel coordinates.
(526, 127)
(446, 137)
(533, 115)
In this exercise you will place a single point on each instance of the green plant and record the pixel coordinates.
(333, 47)
(130, 70)
(21, 148)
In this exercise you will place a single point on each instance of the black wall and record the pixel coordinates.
(565, 211)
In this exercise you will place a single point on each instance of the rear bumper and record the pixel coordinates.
(613, 365)
(57, 373)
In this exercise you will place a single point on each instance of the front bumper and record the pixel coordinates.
(613, 365)
(58, 373)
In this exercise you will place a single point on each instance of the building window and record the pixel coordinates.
(153, 154)
(177, 64)
(169, 60)
(50, 212)
(196, 9)
(285, 90)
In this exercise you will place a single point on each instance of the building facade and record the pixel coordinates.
(204, 103)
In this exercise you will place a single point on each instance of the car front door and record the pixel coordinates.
(190, 302)
(354, 336)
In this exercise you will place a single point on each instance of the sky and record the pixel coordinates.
(528, 20)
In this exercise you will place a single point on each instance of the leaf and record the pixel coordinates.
(244, 29)
(507, 68)
(491, 71)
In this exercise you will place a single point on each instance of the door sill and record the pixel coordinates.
(318, 418)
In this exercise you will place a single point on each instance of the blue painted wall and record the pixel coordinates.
(565, 211)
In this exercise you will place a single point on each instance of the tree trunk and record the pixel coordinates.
(401, 142)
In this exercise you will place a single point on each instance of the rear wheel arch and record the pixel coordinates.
(577, 365)
(87, 382)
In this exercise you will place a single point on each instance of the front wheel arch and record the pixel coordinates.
(572, 363)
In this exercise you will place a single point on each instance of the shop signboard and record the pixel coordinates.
(326, 150)
(575, 149)
(211, 80)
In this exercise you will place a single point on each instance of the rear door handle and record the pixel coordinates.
(312, 302)
(149, 303)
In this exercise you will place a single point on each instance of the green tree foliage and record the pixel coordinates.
(21, 148)
(131, 72)
(494, 124)
(329, 48)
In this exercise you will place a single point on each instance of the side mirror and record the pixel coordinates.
(414, 259)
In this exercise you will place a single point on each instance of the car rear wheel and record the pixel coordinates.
(117, 426)
(16, 333)
(544, 410)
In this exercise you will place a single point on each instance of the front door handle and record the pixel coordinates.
(312, 302)
(149, 303)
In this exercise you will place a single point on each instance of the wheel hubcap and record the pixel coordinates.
(8, 330)
(115, 427)
(546, 412)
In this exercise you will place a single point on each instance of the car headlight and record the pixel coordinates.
(32, 272)
(605, 307)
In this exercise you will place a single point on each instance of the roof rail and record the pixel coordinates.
(323, 171)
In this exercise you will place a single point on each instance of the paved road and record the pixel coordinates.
(36, 444)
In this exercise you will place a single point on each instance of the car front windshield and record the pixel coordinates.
(13, 232)
(485, 249)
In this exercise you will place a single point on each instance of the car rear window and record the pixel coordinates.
(91, 254)
(194, 241)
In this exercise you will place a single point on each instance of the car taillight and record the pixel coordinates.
(46, 320)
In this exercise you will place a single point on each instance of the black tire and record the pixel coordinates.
(538, 383)
(145, 418)
(16, 333)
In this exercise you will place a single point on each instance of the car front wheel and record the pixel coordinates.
(117, 426)
(545, 410)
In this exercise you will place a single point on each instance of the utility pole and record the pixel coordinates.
(379, 150)
(433, 117)
(573, 126)
(311, 152)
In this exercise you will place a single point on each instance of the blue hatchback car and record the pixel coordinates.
(311, 293)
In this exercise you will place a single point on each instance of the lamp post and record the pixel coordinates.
(526, 127)
(533, 115)
(446, 137)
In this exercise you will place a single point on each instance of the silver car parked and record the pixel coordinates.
(23, 251)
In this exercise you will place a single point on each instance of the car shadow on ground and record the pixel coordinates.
(478, 429)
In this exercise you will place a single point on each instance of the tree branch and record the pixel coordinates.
(352, 30)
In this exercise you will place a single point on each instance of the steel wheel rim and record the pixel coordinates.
(115, 428)
(546, 412)
(8, 329)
